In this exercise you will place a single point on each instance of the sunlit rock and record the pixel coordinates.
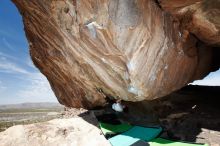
(57, 132)
(122, 49)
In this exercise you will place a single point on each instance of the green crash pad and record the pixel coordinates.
(114, 129)
(165, 142)
(135, 134)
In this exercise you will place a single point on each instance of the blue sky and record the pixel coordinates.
(20, 81)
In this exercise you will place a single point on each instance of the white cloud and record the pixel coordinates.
(7, 56)
(34, 88)
(38, 88)
(6, 33)
(2, 87)
(30, 63)
(9, 67)
(210, 82)
(213, 79)
(4, 58)
(7, 44)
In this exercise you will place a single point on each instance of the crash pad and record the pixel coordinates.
(140, 143)
(135, 134)
(165, 142)
(114, 129)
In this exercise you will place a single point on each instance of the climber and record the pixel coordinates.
(118, 107)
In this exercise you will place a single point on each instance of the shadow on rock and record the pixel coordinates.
(191, 114)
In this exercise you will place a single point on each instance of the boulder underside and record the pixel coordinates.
(133, 50)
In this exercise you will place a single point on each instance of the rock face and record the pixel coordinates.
(200, 17)
(132, 50)
(58, 132)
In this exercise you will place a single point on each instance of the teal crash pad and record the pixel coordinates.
(135, 134)
(165, 142)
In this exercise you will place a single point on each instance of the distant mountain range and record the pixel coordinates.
(40, 105)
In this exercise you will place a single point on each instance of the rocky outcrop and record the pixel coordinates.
(121, 49)
(58, 132)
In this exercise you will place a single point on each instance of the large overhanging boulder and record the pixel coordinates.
(122, 49)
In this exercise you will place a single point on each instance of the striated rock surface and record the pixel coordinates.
(58, 132)
(200, 17)
(132, 50)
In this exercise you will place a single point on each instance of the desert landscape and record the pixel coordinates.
(28, 113)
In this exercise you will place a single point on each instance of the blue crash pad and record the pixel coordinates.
(135, 134)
